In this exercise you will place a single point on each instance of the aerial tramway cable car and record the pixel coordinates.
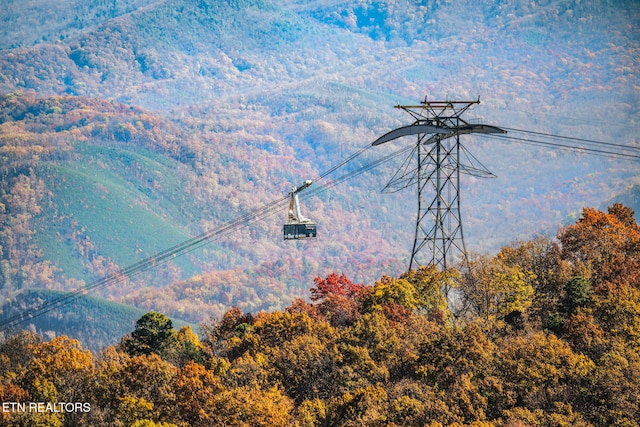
(298, 226)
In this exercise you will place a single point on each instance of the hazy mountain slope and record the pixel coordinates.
(631, 198)
(36, 21)
(95, 322)
(257, 96)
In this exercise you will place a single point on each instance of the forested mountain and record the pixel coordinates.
(128, 126)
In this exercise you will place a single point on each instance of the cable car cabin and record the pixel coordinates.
(304, 230)
(298, 226)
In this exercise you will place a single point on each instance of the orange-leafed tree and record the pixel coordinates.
(147, 389)
(252, 407)
(605, 244)
(195, 388)
(64, 364)
(539, 371)
(459, 363)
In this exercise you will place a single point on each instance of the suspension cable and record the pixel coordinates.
(570, 138)
(566, 147)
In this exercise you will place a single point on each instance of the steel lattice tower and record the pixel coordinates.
(434, 167)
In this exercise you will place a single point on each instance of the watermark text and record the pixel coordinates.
(42, 407)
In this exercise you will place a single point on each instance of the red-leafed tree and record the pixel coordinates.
(339, 298)
(335, 285)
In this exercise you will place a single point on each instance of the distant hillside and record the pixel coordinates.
(140, 124)
(95, 322)
(42, 21)
(631, 198)
(86, 186)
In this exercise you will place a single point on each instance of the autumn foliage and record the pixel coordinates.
(544, 333)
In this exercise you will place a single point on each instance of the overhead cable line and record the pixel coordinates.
(583, 140)
(356, 172)
(344, 162)
(274, 208)
(566, 147)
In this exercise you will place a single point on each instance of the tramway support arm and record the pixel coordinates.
(294, 205)
(443, 132)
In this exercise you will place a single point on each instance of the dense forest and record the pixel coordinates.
(544, 333)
